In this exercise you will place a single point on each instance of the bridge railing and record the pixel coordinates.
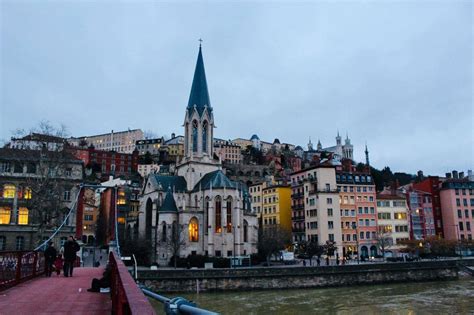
(19, 266)
(127, 298)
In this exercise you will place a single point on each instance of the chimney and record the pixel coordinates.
(172, 135)
(461, 175)
(448, 175)
(420, 174)
(455, 174)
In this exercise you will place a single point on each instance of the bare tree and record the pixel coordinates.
(52, 171)
(176, 241)
(311, 249)
(384, 241)
(272, 239)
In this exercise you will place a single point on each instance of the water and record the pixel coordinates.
(446, 297)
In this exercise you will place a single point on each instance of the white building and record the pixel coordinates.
(122, 141)
(213, 212)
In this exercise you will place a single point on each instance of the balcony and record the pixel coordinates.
(297, 207)
(297, 218)
(297, 195)
(298, 230)
(324, 191)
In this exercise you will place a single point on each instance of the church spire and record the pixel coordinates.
(199, 97)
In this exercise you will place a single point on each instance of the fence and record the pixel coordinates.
(19, 266)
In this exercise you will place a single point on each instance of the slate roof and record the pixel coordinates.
(254, 137)
(175, 183)
(199, 96)
(216, 179)
(169, 205)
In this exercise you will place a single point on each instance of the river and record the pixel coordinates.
(447, 297)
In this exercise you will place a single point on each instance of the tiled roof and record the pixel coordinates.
(169, 205)
(175, 183)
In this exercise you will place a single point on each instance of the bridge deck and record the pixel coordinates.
(57, 295)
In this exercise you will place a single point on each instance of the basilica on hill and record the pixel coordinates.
(212, 213)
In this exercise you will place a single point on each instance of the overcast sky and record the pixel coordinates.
(395, 74)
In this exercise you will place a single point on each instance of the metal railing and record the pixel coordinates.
(19, 266)
(126, 296)
(178, 305)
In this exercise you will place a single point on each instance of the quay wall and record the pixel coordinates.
(191, 280)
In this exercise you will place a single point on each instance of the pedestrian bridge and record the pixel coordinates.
(25, 289)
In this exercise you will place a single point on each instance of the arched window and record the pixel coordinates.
(193, 230)
(9, 191)
(229, 214)
(195, 136)
(207, 223)
(23, 216)
(246, 231)
(163, 231)
(218, 209)
(148, 218)
(196, 205)
(5, 214)
(27, 193)
(204, 136)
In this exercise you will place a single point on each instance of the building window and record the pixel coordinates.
(204, 136)
(193, 230)
(5, 214)
(3, 242)
(330, 212)
(229, 215)
(9, 191)
(4, 167)
(246, 228)
(329, 201)
(31, 168)
(121, 200)
(20, 242)
(163, 232)
(331, 237)
(218, 215)
(330, 225)
(459, 213)
(67, 195)
(195, 135)
(23, 216)
(27, 193)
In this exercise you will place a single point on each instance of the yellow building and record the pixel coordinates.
(276, 206)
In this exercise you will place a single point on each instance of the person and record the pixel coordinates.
(103, 282)
(59, 264)
(304, 262)
(318, 261)
(337, 259)
(70, 249)
(327, 260)
(49, 257)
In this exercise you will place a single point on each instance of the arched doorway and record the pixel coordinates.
(148, 218)
(373, 251)
(364, 251)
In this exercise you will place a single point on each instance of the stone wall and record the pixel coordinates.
(295, 277)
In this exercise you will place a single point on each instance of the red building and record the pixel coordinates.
(108, 162)
(432, 185)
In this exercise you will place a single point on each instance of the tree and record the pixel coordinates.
(384, 241)
(53, 173)
(272, 239)
(330, 248)
(175, 241)
(311, 249)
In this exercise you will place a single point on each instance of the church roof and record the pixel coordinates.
(216, 180)
(254, 137)
(298, 148)
(169, 205)
(175, 183)
(199, 96)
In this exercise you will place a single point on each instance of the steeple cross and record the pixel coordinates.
(200, 41)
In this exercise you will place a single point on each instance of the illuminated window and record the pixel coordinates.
(5, 214)
(218, 215)
(9, 191)
(121, 220)
(27, 193)
(229, 215)
(23, 216)
(193, 230)
(121, 198)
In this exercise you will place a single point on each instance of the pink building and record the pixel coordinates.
(457, 207)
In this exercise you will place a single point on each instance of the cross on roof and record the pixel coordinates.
(200, 42)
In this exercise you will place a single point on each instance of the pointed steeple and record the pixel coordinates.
(338, 138)
(199, 96)
(320, 146)
(169, 205)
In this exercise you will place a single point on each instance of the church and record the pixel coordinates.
(210, 213)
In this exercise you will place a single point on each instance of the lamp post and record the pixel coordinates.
(354, 227)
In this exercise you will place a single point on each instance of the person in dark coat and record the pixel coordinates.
(49, 257)
(70, 249)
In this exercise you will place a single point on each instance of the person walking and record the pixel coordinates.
(59, 264)
(70, 249)
(49, 257)
(318, 261)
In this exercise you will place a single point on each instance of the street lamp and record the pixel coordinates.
(354, 227)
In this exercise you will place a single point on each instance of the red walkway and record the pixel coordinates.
(57, 295)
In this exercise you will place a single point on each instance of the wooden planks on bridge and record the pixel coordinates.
(57, 295)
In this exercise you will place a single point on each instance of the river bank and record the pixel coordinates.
(243, 279)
